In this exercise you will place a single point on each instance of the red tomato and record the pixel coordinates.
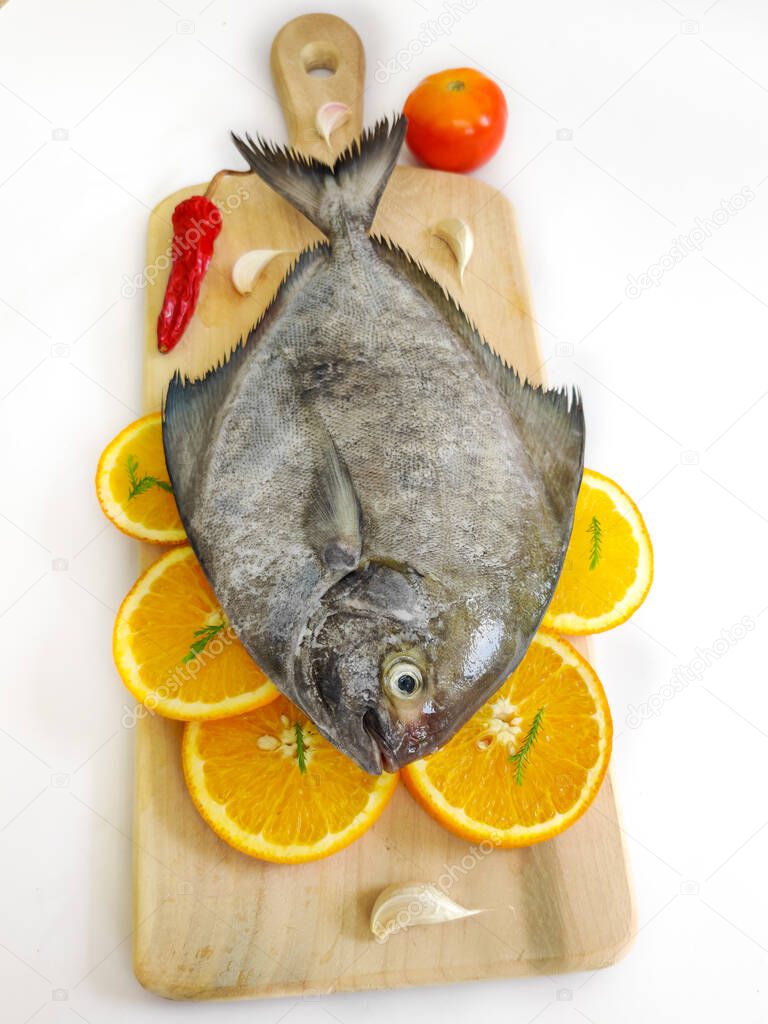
(456, 119)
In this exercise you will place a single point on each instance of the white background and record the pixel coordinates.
(630, 124)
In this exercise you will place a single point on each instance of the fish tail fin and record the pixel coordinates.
(352, 186)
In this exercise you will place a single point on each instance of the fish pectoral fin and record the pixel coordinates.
(333, 521)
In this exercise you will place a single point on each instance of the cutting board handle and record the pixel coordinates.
(303, 53)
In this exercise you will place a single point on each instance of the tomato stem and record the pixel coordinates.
(456, 85)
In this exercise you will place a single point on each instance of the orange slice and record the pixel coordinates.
(609, 564)
(269, 784)
(530, 761)
(132, 484)
(175, 651)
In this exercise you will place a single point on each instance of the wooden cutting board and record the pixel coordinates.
(213, 923)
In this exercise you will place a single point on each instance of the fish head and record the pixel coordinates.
(391, 665)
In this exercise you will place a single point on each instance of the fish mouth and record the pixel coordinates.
(380, 749)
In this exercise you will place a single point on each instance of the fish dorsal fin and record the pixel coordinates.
(190, 407)
(333, 518)
(549, 421)
(355, 182)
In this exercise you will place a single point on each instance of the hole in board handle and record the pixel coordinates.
(321, 60)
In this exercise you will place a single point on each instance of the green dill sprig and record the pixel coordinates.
(204, 637)
(521, 757)
(595, 531)
(138, 485)
(301, 749)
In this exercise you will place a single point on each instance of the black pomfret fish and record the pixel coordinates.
(381, 505)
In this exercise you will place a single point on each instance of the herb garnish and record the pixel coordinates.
(522, 756)
(204, 637)
(138, 485)
(300, 748)
(596, 547)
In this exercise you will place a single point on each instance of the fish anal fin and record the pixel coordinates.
(190, 406)
(189, 409)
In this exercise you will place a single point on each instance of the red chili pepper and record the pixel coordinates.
(196, 225)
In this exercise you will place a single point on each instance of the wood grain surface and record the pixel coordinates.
(213, 923)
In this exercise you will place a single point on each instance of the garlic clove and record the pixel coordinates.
(407, 904)
(250, 265)
(457, 235)
(329, 117)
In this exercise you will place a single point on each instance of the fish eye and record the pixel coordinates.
(403, 679)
